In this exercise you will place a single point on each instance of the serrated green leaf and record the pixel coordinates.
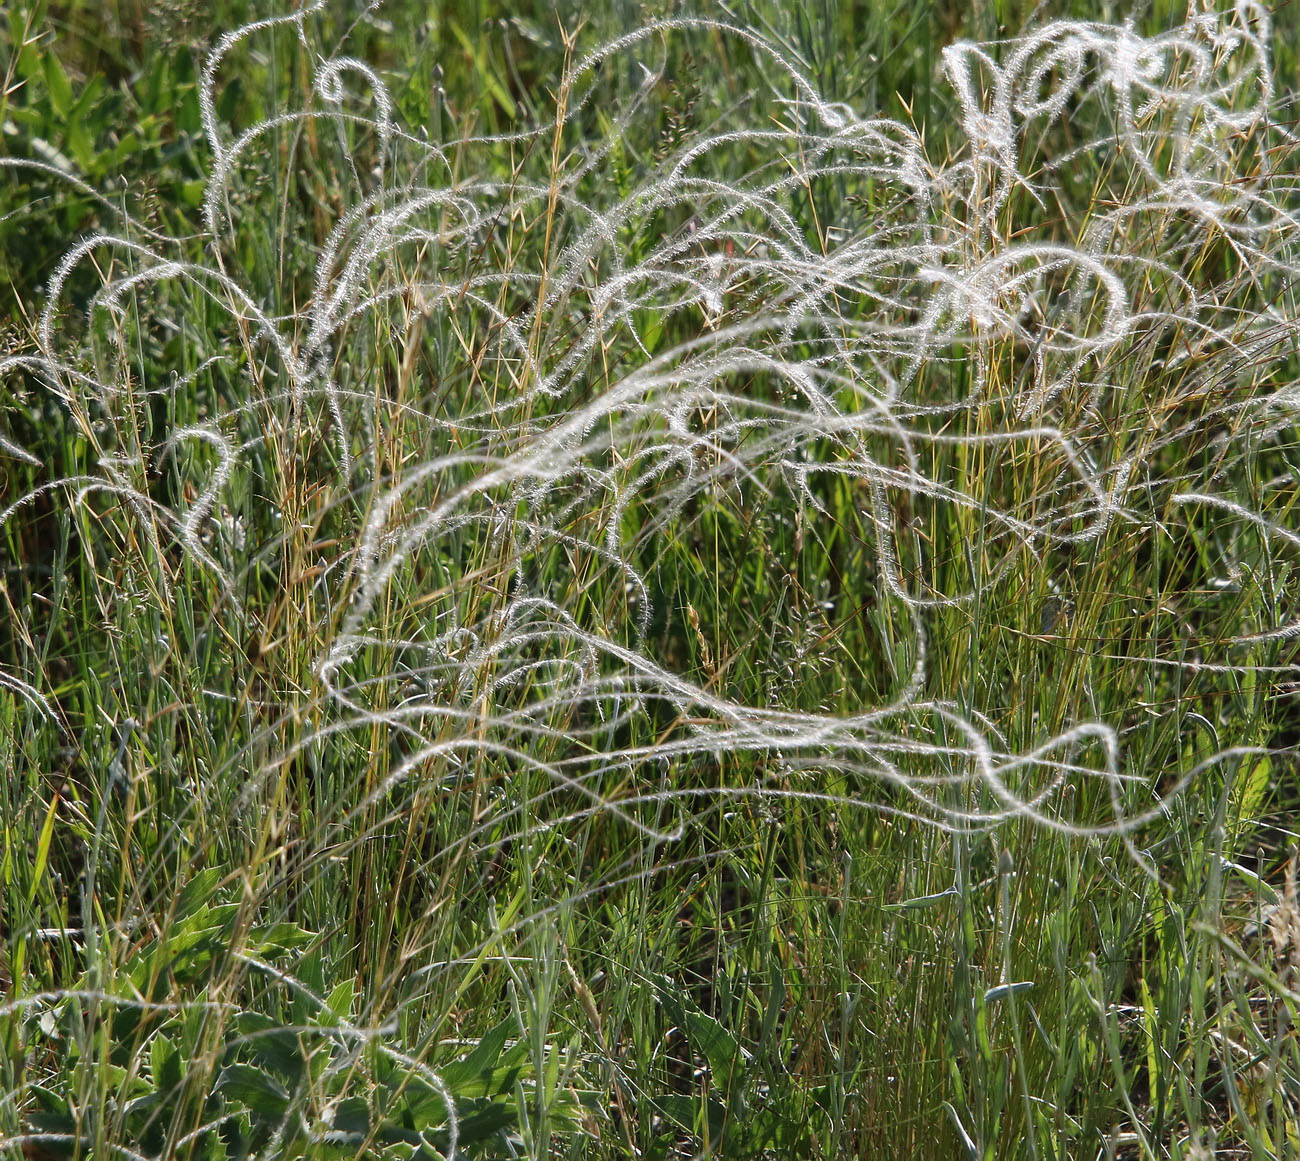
(192, 1025)
(353, 1116)
(264, 1096)
(311, 974)
(338, 1003)
(164, 1064)
(269, 1044)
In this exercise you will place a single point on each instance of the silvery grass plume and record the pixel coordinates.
(509, 438)
(806, 359)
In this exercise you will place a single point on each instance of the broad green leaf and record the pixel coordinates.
(687, 1113)
(338, 1003)
(279, 938)
(270, 1045)
(718, 1046)
(164, 1064)
(706, 1036)
(58, 85)
(198, 892)
(353, 1116)
(480, 1061)
(89, 92)
(263, 1095)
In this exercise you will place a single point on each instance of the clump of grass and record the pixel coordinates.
(679, 628)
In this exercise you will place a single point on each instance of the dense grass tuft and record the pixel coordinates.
(623, 603)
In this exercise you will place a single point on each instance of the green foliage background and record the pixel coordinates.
(222, 940)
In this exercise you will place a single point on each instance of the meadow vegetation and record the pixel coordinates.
(658, 582)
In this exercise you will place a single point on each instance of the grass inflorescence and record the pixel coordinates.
(623, 603)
